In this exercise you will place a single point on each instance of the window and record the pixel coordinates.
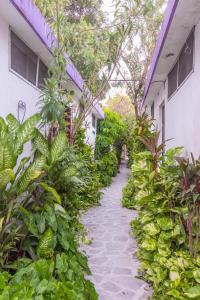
(152, 110)
(93, 121)
(43, 74)
(183, 66)
(162, 112)
(25, 62)
(186, 59)
(172, 80)
(81, 108)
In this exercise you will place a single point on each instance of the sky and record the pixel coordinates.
(108, 7)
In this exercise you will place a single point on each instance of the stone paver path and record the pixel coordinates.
(111, 253)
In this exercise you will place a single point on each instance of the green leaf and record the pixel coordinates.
(30, 221)
(22, 164)
(149, 244)
(174, 293)
(174, 275)
(3, 129)
(1, 223)
(196, 274)
(151, 229)
(194, 292)
(52, 191)
(26, 132)
(13, 125)
(6, 176)
(46, 244)
(58, 147)
(51, 217)
(165, 223)
(41, 144)
(30, 174)
(7, 157)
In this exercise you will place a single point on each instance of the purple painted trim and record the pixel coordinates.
(99, 111)
(36, 20)
(169, 14)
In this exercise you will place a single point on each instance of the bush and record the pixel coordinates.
(109, 142)
(165, 191)
(40, 201)
(107, 168)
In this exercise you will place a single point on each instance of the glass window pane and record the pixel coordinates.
(186, 59)
(93, 121)
(23, 59)
(152, 110)
(43, 74)
(172, 80)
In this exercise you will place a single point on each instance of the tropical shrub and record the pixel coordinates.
(16, 180)
(165, 192)
(109, 142)
(139, 127)
(38, 221)
(108, 167)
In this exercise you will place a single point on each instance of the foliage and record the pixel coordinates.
(165, 191)
(107, 167)
(109, 141)
(40, 202)
(122, 105)
(48, 279)
(78, 25)
(145, 17)
(16, 178)
(136, 128)
(109, 129)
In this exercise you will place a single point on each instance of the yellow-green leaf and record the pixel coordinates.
(52, 191)
(6, 176)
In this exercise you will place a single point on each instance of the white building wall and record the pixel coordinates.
(90, 131)
(182, 110)
(12, 87)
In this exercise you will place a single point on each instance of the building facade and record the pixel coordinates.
(27, 45)
(172, 92)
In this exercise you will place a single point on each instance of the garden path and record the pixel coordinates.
(111, 252)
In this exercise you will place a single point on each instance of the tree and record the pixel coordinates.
(95, 51)
(83, 34)
(146, 17)
(122, 105)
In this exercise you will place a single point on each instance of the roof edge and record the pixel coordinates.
(99, 111)
(168, 17)
(31, 13)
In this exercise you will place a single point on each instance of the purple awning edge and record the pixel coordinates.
(36, 20)
(169, 14)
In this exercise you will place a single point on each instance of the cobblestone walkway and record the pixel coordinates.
(111, 253)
